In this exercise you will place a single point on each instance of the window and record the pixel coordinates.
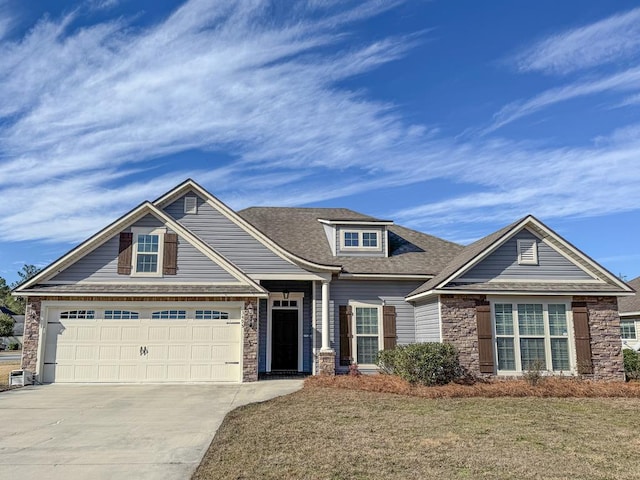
(366, 334)
(211, 315)
(527, 252)
(169, 315)
(527, 333)
(78, 315)
(285, 303)
(147, 251)
(351, 239)
(628, 329)
(356, 239)
(120, 315)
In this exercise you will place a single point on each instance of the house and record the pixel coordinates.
(630, 317)
(184, 289)
(18, 328)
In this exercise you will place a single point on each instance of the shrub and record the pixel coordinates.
(424, 363)
(631, 364)
(534, 374)
(14, 346)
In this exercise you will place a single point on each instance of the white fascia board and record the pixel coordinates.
(581, 255)
(241, 222)
(629, 314)
(291, 276)
(36, 293)
(541, 293)
(421, 296)
(88, 245)
(356, 222)
(384, 276)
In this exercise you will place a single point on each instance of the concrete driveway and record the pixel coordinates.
(117, 431)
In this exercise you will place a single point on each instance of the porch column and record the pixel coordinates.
(326, 338)
(326, 356)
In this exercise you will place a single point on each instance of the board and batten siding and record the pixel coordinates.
(101, 265)
(503, 265)
(229, 239)
(428, 321)
(392, 292)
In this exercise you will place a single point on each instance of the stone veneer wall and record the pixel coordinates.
(31, 334)
(458, 319)
(327, 363)
(250, 340)
(604, 329)
(249, 316)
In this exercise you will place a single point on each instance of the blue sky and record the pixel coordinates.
(451, 117)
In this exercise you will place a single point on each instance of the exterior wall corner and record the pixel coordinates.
(250, 341)
(31, 334)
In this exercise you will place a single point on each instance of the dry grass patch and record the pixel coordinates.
(331, 433)
(5, 370)
(561, 387)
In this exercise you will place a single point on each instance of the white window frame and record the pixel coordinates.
(160, 232)
(354, 341)
(360, 247)
(524, 244)
(635, 329)
(545, 301)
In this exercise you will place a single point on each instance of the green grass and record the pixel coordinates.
(328, 433)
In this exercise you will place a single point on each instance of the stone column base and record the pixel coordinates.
(327, 362)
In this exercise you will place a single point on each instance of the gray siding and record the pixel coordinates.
(382, 237)
(391, 292)
(428, 321)
(230, 240)
(101, 265)
(503, 264)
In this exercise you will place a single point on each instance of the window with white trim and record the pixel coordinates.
(367, 333)
(628, 329)
(211, 315)
(147, 251)
(169, 315)
(120, 315)
(360, 239)
(527, 252)
(78, 315)
(527, 333)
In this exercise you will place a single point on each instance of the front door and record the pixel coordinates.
(284, 343)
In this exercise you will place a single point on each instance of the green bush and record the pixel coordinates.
(14, 346)
(424, 363)
(631, 364)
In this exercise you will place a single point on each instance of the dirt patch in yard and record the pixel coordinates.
(335, 433)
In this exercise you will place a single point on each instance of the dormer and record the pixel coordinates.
(357, 237)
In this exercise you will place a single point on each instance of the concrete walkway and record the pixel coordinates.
(117, 431)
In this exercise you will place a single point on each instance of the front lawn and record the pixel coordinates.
(5, 370)
(330, 433)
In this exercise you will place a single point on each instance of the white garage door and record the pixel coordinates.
(131, 344)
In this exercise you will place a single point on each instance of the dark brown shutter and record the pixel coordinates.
(170, 259)
(389, 326)
(485, 338)
(583, 339)
(346, 334)
(124, 253)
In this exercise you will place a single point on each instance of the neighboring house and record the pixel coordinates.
(184, 289)
(630, 317)
(18, 328)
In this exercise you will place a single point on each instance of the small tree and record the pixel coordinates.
(6, 325)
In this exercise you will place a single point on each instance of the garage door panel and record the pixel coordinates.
(98, 350)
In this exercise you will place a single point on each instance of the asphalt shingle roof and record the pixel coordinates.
(299, 231)
(630, 304)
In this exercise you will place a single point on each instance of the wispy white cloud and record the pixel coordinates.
(628, 80)
(611, 39)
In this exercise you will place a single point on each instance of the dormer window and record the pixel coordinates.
(360, 239)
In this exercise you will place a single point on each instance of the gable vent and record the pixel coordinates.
(190, 204)
(527, 252)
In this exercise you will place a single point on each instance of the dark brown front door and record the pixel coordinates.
(284, 340)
